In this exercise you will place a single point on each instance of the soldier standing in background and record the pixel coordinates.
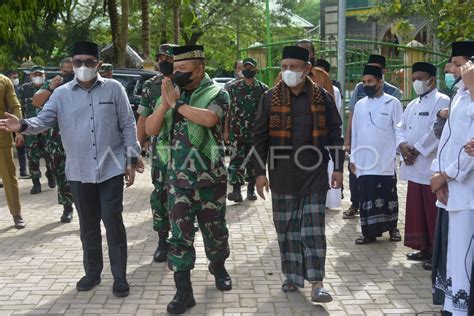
(245, 96)
(36, 144)
(106, 71)
(53, 143)
(158, 199)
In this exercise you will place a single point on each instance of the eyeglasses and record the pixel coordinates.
(89, 63)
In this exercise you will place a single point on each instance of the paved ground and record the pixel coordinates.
(40, 265)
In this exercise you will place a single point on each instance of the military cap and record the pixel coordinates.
(250, 61)
(37, 69)
(188, 52)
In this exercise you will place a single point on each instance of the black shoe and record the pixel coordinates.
(161, 252)
(223, 280)
(51, 181)
(1, 185)
(36, 186)
(121, 288)
(184, 297)
(87, 283)
(67, 214)
(24, 175)
(235, 195)
(251, 196)
(19, 222)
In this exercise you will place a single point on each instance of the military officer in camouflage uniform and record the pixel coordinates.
(189, 125)
(150, 93)
(54, 146)
(245, 96)
(106, 71)
(35, 144)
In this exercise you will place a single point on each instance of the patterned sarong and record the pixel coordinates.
(378, 202)
(300, 226)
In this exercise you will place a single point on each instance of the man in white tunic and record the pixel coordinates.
(418, 144)
(453, 183)
(373, 153)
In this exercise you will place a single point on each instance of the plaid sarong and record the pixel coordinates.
(300, 226)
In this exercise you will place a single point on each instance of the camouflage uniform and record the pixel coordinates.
(58, 159)
(35, 144)
(197, 188)
(158, 198)
(244, 103)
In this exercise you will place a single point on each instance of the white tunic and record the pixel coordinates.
(416, 129)
(373, 145)
(338, 100)
(451, 157)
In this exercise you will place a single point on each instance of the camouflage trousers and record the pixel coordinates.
(159, 197)
(58, 161)
(35, 150)
(208, 205)
(241, 168)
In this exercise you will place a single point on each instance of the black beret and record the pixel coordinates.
(465, 48)
(323, 64)
(377, 59)
(188, 52)
(425, 67)
(295, 52)
(85, 48)
(373, 70)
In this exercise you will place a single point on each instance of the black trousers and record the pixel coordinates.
(96, 202)
(22, 158)
(354, 187)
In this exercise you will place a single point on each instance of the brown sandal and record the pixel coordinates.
(365, 240)
(350, 213)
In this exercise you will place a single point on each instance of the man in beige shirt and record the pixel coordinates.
(9, 103)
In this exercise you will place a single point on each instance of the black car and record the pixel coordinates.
(131, 79)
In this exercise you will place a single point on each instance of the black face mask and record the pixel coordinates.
(67, 77)
(248, 73)
(182, 79)
(312, 60)
(166, 68)
(370, 91)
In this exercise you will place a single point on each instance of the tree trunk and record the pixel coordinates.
(123, 39)
(114, 27)
(176, 22)
(146, 28)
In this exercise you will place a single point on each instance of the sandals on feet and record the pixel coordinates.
(428, 265)
(288, 286)
(365, 240)
(418, 256)
(350, 213)
(395, 235)
(320, 295)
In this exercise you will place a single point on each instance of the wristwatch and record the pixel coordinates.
(23, 127)
(179, 103)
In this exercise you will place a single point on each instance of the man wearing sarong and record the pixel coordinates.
(453, 183)
(418, 144)
(373, 153)
(296, 122)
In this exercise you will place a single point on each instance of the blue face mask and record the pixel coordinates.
(449, 79)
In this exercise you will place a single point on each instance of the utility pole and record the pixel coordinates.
(341, 50)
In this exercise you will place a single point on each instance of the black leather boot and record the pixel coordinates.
(235, 195)
(184, 297)
(223, 280)
(161, 252)
(67, 214)
(36, 186)
(251, 196)
(51, 179)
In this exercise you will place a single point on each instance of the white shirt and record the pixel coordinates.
(416, 129)
(373, 145)
(338, 100)
(456, 133)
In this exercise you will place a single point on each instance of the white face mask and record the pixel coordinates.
(37, 81)
(16, 82)
(420, 86)
(85, 74)
(292, 78)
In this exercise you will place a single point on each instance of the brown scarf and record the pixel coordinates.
(280, 114)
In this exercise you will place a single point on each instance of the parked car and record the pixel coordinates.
(131, 79)
(221, 81)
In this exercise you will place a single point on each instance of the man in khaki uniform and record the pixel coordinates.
(9, 103)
